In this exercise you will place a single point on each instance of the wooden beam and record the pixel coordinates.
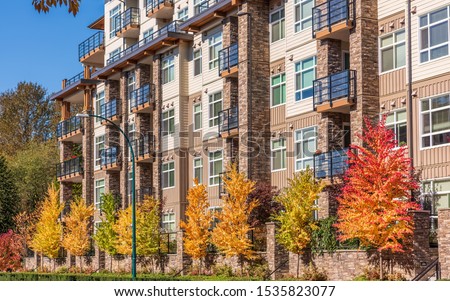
(219, 15)
(193, 29)
(168, 43)
(131, 62)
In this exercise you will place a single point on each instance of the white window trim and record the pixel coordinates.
(168, 133)
(209, 111)
(184, 9)
(209, 167)
(196, 113)
(432, 181)
(395, 112)
(300, 141)
(169, 66)
(394, 44)
(201, 62)
(95, 193)
(171, 221)
(271, 94)
(299, 3)
(300, 72)
(211, 46)
(419, 103)
(272, 158)
(419, 36)
(98, 121)
(197, 167)
(96, 150)
(270, 24)
(168, 171)
(112, 34)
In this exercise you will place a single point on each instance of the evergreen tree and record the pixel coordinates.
(8, 198)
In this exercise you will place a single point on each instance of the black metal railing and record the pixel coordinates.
(332, 163)
(110, 109)
(173, 26)
(168, 243)
(69, 126)
(90, 44)
(153, 5)
(431, 270)
(110, 156)
(69, 167)
(327, 14)
(335, 86)
(204, 5)
(130, 17)
(74, 79)
(142, 95)
(144, 145)
(228, 58)
(228, 119)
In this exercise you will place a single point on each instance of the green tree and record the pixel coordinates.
(8, 198)
(147, 227)
(297, 220)
(45, 5)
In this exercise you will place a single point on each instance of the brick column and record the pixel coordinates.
(65, 153)
(181, 257)
(123, 143)
(444, 242)
(421, 239)
(276, 254)
(157, 192)
(88, 152)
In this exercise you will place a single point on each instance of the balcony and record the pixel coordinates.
(333, 19)
(143, 148)
(70, 170)
(72, 88)
(110, 110)
(92, 51)
(165, 36)
(142, 99)
(142, 193)
(70, 130)
(110, 159)
(335, 93)
(128, 23)
(229, 61)
(160, 9)
(206, 11)
(331, 164)
(229, 122)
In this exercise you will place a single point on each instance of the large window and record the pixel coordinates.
(131, 84)
(183, 14)
(215, 167)
(215, 106)
(435, 195)
(277, 25)
(200, 6)
(433, 35)
(198, 169)
(114, 53)
(114, 22)
(99, 190)
(168, 122)
(215, 45)
(197, 62)
(197, 116)
(99, 147)
(435, 121)
(396, 121)
(168, 69)
(305, 74)
(305, 147)
(168, 174)
(168, 222)
(148, 33)
(278, 148)
(99, 102)
(303, 14)
(278, 89)
(393, 51)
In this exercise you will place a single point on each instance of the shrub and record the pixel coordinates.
(312, 273)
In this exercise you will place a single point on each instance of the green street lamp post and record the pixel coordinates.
(133, 191)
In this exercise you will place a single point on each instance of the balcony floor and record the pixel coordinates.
(145, 108)
(75, 137)
(232, 72)
(163, 11)
(111, 167)
(338, 31)
(71, 178)
(147, 158)
(341, 105)
(95, 57)
(130, 31)
(230, 133)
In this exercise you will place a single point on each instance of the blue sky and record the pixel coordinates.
(42, 48)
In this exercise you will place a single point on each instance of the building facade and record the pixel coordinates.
(274, 86)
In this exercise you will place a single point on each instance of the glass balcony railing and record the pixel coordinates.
(110, 109)
(110, 156)
(130, 17)
(332, 163)
(335, 86)
(69, 126)
(228, 119)
(332, 12)
(141, 96)
(228, 58)
(90, 44)
(74, 79)
(69, 167)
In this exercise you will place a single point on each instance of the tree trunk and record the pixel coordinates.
(54, 264)
(110, 262)
(42, 262)
(381, 266)
(298, 265)
(81, 264)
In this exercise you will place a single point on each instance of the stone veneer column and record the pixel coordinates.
(126, 165)
(444, 242)
(65, 153)
(421, 239)
(88, 151)
(254, 94)
(157, 192)
(276, 254)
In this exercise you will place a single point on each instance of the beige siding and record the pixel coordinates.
(277, 116)
(387, 8)
(393, 82)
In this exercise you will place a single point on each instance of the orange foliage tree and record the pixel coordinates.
(376, 198)
(198, 221)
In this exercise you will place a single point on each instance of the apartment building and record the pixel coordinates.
(273, 86)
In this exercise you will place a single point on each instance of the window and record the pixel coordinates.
(99, 102)
(278, 154)
(183, 14)
(436, 195)
(396, 121)
(99, 147)
(435, 121)
(393, 51)
(97, 226)
(131, 83)
(277, 25)
(132, 135)
(99, 190)
(197, 62)
(305, 147)
(197, 116)
(200, 6)
(433, 35)
(278, 89)
(114, 21)
(168, 69)
(130, 186)
(148, 33)
(215, 45)
(115, 53)
(215, 106)
(215, 167)
(316, 210)
(168, 222)
(198, 169)
(305, 74)
(168, 174)
(168, 122)
(303, 14)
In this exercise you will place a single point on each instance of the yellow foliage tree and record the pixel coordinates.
(47, 238)
(296, 220)
(147, 226)
(198, 221)
(123, 230)
(76, 238)
(230, 236)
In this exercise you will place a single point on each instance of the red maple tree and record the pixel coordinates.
(10, 252)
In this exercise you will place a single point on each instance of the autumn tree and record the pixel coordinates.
(230, 236)
(25, 228)
(8, 197)
(10, 252)
(45, 5)
(267, 207)
(47, 238)
(147, 226)
(123, 229)
(198, 221)
(76, 238)
(376, 199)
(297, 219)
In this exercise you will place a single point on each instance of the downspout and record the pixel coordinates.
(409, 107)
